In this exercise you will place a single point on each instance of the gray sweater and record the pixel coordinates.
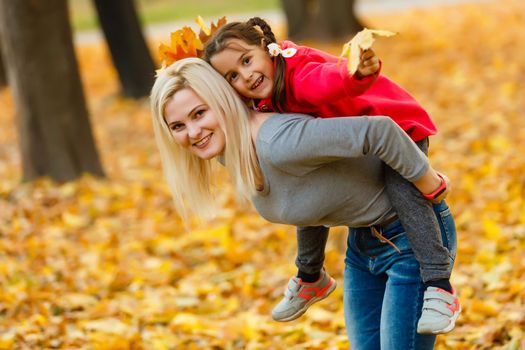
(330, 171)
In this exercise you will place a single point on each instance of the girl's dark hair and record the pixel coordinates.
(247, 32)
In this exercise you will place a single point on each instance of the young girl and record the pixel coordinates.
(291, 78)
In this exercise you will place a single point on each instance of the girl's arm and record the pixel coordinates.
(434, 186)
(319, 78)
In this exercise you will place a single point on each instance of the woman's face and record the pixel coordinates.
(194, 125)
(248, 68)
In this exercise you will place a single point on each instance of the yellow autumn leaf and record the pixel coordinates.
(186, 321)
(202, 26)
(7, 340)
(207, 32)
(320, 316)
(74, 301)
(492, 229)
(73, 220)
(499, 144)
(101, 341)
(485, 307)
(107, 325)
(183, 43)
(363, 40)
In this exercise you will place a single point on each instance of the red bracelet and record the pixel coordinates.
(442, 188)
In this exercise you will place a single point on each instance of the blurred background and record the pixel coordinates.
(92, 254)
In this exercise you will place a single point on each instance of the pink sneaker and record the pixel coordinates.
(440, 311)
(299, 295)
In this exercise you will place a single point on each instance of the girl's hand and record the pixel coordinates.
(368, 65)
(433, 185)
(440, 192)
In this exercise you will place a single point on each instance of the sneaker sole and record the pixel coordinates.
(308, 304)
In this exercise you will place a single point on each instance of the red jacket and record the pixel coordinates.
(316, 85)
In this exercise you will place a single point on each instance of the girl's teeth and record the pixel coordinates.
(257, 83)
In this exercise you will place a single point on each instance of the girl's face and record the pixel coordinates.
(248, 68)
(194, 125)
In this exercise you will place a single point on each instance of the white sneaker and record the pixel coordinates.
(299, 295)
(440, 311)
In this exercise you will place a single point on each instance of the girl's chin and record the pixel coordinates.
(264, 95)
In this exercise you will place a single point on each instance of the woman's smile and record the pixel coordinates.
(202, 143)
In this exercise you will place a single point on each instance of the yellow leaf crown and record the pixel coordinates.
(185, 43)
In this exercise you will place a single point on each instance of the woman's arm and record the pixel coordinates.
(299, 144)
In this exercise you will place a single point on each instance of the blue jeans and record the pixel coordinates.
(383, 290)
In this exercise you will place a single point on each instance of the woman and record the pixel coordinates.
(304, 171)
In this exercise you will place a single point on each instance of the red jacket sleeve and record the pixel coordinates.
(317, 77)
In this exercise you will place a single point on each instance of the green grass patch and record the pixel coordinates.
(83, 14)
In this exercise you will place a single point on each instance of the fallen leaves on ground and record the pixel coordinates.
(106, 263)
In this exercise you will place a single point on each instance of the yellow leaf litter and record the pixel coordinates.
(107, 264)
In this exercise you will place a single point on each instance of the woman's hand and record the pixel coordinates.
(368, 65)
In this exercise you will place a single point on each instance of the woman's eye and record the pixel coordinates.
(199, 113)
(246, 60)
(177, 127)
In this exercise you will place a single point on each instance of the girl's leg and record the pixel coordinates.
(436, 260)
(441, 307)
(312, 283)
(418, 219)
(311, 244)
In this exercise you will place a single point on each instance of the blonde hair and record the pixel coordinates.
(188, 176)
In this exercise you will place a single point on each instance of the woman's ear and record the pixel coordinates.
(263, 43)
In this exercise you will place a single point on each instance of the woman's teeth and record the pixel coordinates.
(202, 141)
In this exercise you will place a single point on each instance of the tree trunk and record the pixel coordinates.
(3, 78)
(128, 48)
(323, 20)
(299, 18)
(338, 19)
(52, 119)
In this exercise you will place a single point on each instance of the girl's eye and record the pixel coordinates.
(233, 76)
(246, 60)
